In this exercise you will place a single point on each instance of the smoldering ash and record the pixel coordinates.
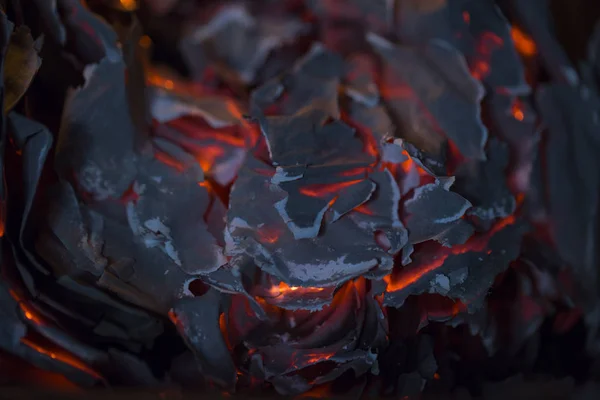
(327, 197)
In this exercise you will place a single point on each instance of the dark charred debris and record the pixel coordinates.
(320, 198)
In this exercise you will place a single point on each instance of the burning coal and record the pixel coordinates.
(311, 197)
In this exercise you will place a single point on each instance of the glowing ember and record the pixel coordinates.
(61, 356)
(517, 110)
(524, 44)
(283, 288)
(320, 190)
(408, 276)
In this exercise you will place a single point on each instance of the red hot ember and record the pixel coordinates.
(308, 197)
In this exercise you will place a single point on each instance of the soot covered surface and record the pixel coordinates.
(314, 198)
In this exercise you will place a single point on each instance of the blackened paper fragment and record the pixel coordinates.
(572, 178)
(169, 214)
(238, 41)
(464, 273)
(11, 327)
(6, 28)
(490, 49)
(534, 16)
(359, 82)
(75, 245)
(484, 184)
(435, 212)
(21, 63)
(197, 320)
(419, 22)
(373, 14)
(96, 148)
(261, 234)
(344, 335)
(34, 141)
(437, 76)
(514, 122)
(71, 24)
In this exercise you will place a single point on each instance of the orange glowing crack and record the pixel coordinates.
(62, 357)
(305, 359)
(409, 276)
(362, 209)
(523, 43)
(223, 328)
(353, 172)
(168, 160)
(283, 288)
(320, 190)
(409, 164)
(192, 127)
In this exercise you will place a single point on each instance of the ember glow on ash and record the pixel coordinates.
(408, 276)
(524, 44)
(61, 356)
(283, 288)
(308, 197)
(320, 190)
(517, 110)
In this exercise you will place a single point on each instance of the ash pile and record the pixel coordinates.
(319, 198)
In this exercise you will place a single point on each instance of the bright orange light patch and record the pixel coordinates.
(302, 359)
(268, 235)
(517, 110)
(283, 288)
(129, 5)
(523, 43)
